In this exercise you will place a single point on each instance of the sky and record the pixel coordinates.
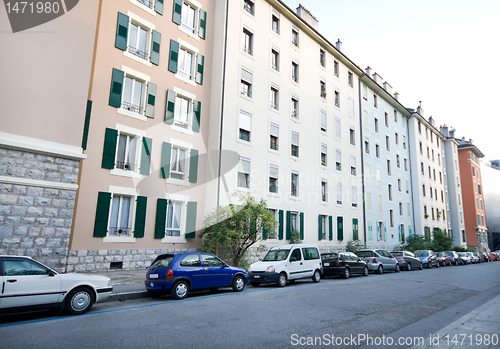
(445, 53)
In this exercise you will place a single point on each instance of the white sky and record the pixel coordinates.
(445, 53)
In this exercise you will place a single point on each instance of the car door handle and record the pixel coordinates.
(206, 270)
(11, 281)
(300, 263)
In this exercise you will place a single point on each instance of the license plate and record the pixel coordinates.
(153, 276)
(256, 276)
(326, 264)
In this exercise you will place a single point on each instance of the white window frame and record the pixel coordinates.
(175, 143)
(122, 191)
(183, 45)
(247, 177)
(139, 134)
(136, 20)
(183, 201)
(145, 79)
(196, 6)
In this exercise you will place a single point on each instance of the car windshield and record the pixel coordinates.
(363, 254)
(463, 254)
(397, 253)
(276, 255)
(441, 254)
(421, 253)
(450, 253)
(162, 262)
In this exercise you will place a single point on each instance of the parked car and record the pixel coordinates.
(485, 257)
(344, 264)
(478, 257)
(455, 258)
(473, 257)
(28, 284)
(428, 258)
(443, 258)
(379, 260)
(465, 257)
(179, 274)
(407, 260)
(287, 263)
(494, 256)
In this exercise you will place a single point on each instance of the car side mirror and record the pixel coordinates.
(293, 259)
(50, 273)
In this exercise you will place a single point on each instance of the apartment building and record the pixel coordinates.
(428, 178)
(41, 131)
(386, 164)
(146, 134)
(456, 225)
(473, 197)
(285, 122)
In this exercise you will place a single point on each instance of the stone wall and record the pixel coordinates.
(35, 213)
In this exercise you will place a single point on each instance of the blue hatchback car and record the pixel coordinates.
(181, 273)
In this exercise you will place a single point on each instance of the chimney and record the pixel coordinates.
(338, 45)
(470, 141)
(388, 87)
(444, 130)
(377, 78)
(307, 16)
(396, 96)
(431, 121)
(368, 71)
(452, 132)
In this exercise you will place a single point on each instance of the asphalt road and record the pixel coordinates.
(414, 304)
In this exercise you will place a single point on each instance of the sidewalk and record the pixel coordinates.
(127, 284)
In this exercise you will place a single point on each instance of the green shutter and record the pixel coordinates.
(165, 160)
(193, 166)
(140, 216)
(115, 95)
(161, 218)
(174, 56)
(86, 125)
(150, 100)
(340, 228)
(264, 233)
(102, 214)
(109, 149)
(385, 232)
(191, 220)
(355, 229)
(154, 57)
(280, 228)
(146, 155)
(463, 235)
(203, 24)
(159, 6)
(320, 231)
(330, 223)
(177, 12)
(197, 116)
(378, 230)
(121, 32)
(302, 225)
(200, 60)
(399, 231)
(288, 225)
(170, 107)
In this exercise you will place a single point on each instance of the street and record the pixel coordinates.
(405, 304)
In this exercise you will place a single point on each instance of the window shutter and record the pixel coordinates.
(121, 32)
(115, 95)
(108, 153)
(355, 235)
(170, 108)
(280, 222)
(330, 223)
(174, 56)
(161, 218)
(288, 225)
(320, 231)
(177, 12)
(203, 24)
(200, 60)
(340, 229)
(140, 216)
(302, 225)
(150, 100)
(191, 220)
(399, 230)
(385, 232)
(86, 125)
(197, 116)
(154, 56)
(102, 214)
(193, 166)
(378, 231)
(159, 6)
(146, 155)
(165, 160)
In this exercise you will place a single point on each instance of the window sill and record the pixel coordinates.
(137, 59)
(274, 195)
(131, 114)
(181, 129)
(245, 97)
(187, 32)
(294, 119)
(186, 80)
(125, 173)
(174, 240)
(272, 151)
(141, 6)
(294, 198)
(241, 141)
(180, 182)
(118, 239)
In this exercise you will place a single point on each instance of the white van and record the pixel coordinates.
(287, 262)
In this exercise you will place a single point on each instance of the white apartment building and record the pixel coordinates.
(285, 122)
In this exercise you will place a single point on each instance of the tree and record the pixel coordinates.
(441, 242)
(416, 242)
(236, 227)
(354, 245)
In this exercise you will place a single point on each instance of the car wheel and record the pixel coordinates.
(281, 280)
(238, 283)
(429, 265)
(317, 276)
(408, 267)
(397, 268)
(420, 267)
(154, 294)
(346, 273)
(79, 301)
(366, 271)
(255, 284)
(380, 269)
(180, 290)
(437, 265)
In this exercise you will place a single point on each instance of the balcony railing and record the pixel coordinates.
(125, 166)
(137, 52)
(131, 107)
(147, 3)
(275, 105)
(246, 91)
(248, 49)
(120, 231)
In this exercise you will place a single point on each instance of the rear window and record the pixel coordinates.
(329, 256)
(363, 254)
(276, 255)
(163, 262)
(310, 253)
(421, 253)
(397, 253)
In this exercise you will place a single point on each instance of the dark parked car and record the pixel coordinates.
(485, 257)
(407, 260)
(443, 258)
(428, 258)
(455, 258)
(344, 264)
(181, 273)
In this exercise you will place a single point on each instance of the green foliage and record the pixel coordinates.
(459, 249)
(354, 246)
(441, 242)
(236, 227)
(295, 237)
(416, 242)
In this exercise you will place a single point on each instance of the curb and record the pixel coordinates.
(126, 295)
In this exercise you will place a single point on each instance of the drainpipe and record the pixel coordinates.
(409, 171)
(362, 159)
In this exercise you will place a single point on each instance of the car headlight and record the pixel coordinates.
(425, 260)
(270, 269)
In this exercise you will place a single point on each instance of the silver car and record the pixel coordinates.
(466, 257)
(379, 260)
(407, 260)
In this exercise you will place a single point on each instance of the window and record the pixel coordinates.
(322, 226)
(295, 37)
(249, 6)
(389, 187)
(275, 98)
(425, 212)
(380, 203)
(247, 41)
(339, 193)
(422, 169)
(404, 142)
(324, 190)
(376, 126)
(408, 209)
(323, 154)
(406, 164)
(178, 163)
(245, 126)
(119, 218)
(434, 174)
(428, 153)
(354, 196)
(244, 173)
(442, 196)
(480, 201)
(352, 136)
(429, 171)
(439, 159)
(367, 146)
(350, 79)
(294, 220)
(477, 203)
(368, 173)
(273, 179)
(386, 118)
(419, 127)
(337, 99)
(353, 165)
(274, 134)
(275, 59)
(273, 232)
(295, 72)
(185, 63)
(432, 211)
(323, 121)
(133, 94)
(377, 150)
(138, 40)
(395, 116)
(127, 152)
(375, 101)
(479, 189)
(322, 58)
(396, 138)
(423, 189)
(366, 118)
(336, 68)
(276, 23)
(369, 201)
(14, 267)
(388, 167)
(387, 143)
(188, 17)
(295, 108)
(378, 174)
(338, 160)
(246, 83)
(295, 144)
(295, 184)
(322, 89)
(337, 128)
(173, 222)
(432, 154)
(407, 186)
(420, 146)
(398, 162)
(399, 185)
(391, 217)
